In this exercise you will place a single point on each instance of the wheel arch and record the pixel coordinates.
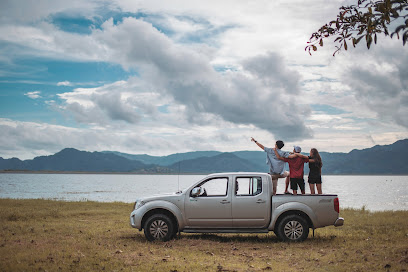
(166, 212)
(294, 212)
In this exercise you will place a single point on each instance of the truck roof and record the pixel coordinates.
(238, 173)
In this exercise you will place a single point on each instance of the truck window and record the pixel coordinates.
(215, 187)
(248, 186)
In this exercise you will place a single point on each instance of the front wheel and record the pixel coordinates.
(159, 227)
(293, 228)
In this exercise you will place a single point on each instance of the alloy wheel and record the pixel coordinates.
(293, 230)
(159, 229)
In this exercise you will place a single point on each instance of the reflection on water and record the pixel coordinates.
(373, 192)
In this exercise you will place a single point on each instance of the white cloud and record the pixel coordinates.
(64, 83)
(26, 140)
(381, 84)
(33, 95)
(27, 11)
(258, 94)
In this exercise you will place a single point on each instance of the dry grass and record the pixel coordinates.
(42, 235)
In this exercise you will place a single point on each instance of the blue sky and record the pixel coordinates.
(161, 78)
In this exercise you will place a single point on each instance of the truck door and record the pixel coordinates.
(250, 202)
(212, 208)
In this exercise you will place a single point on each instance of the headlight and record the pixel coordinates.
(138, 204)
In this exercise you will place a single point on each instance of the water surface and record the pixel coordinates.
(373, 192)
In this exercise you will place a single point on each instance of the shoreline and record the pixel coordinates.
(152, 173)
(347, 208)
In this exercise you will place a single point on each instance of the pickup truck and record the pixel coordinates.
(234, 203)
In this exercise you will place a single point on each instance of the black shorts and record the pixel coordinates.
(295, 182)
(315, 180)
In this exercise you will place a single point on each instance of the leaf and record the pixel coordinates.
(375, 38)
(387, 18)
(321, 42)
(399, 28)
(385, 30)
(405, 38)
(345, 45)
(359, 39)
(394, 13)
(369, 41)
(314, 48)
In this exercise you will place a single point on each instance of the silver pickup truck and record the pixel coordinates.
(234, 203)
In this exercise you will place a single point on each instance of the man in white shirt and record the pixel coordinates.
(276, 166)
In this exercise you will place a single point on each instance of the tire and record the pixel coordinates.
(159, 227)
(293, 228)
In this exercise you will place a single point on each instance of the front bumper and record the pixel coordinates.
(136, 220)
(339, 222)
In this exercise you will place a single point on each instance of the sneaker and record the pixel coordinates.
(288, 193)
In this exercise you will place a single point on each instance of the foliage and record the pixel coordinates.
(364, 20)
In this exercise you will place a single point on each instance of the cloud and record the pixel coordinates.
(27, 11)
(101, 105)
(33, 95)
(259, 94)
(64, 83)
(26, 140)
(381, 83)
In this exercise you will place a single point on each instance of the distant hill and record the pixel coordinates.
(224, 162)
(70, 159)
(166, 160)
(386, 159)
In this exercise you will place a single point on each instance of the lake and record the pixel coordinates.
(375, 193)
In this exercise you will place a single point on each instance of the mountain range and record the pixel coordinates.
(377, 160)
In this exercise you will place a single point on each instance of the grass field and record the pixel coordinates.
(43, 235)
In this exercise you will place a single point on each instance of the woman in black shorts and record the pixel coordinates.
(315, 174)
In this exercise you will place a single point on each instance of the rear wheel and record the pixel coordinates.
(293, 228)
(159, 227)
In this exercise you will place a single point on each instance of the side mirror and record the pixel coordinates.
(196, 191)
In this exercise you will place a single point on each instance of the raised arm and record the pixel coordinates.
(258, 144)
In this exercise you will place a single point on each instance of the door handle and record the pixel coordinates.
(260, 201)
(225, 202)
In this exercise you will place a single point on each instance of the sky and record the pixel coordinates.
(163, 77)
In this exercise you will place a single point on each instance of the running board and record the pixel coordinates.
(225, 230)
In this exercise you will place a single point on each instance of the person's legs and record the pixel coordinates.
(293, 185)
(312, 188)
(287, 184)
(319, 188)
(274, 183)
(301, 183)
(287, 180)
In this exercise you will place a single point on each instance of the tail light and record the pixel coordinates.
(336, 205)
